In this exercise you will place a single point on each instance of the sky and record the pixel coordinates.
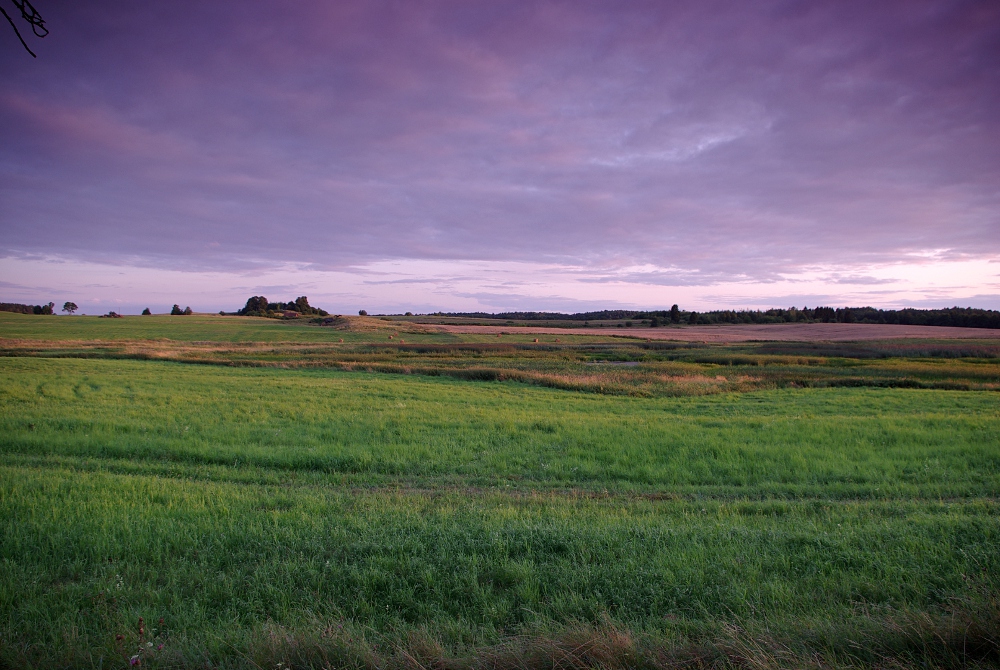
(492, 156)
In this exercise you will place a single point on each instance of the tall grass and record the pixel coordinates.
(87, 554)
(490, 505)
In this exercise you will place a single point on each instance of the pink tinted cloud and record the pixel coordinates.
(92, 128)
(730, 140)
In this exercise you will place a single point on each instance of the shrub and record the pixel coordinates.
(255, 305)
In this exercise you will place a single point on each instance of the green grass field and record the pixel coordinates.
(294, 513)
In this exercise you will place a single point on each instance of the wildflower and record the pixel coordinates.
(135, 660)
(119, 637)
(159, 646)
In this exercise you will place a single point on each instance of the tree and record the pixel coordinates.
(362, 312)
(257, 305)
(302, 303)
(825, 314)
(693, 319)
(675, 314)
(34, 19)
(654, 322)
(187, 311)
(176, 311)
(146, 312)
(69, 307)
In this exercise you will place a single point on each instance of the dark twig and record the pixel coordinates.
(31, 15)
(17, 32)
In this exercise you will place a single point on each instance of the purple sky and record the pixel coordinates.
(503, 155)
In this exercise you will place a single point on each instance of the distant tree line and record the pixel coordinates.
(27, 309)
(966, 317)
(258, 305)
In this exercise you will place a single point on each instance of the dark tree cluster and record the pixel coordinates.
(177, 311)
(966, 317)
(258, 305)
(28, 309)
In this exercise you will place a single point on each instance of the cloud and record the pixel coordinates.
(861, 279)
(512, 302)
(718, 142)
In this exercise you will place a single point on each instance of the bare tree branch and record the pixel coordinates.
(31, 15)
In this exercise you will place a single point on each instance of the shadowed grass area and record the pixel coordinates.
(610, 366)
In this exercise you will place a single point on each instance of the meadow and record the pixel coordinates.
(262, 494)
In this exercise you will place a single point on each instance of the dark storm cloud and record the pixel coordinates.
(723, 140)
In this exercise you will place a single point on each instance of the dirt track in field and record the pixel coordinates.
(787, 332)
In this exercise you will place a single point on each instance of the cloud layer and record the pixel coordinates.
(708, 142)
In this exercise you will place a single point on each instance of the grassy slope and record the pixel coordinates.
(382, 428)
(181, 328)
(310, 515)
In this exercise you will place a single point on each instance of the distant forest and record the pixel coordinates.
(966, 317)
(26, 309)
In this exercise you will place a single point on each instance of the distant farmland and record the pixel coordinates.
(792, 332)
(281, 494)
